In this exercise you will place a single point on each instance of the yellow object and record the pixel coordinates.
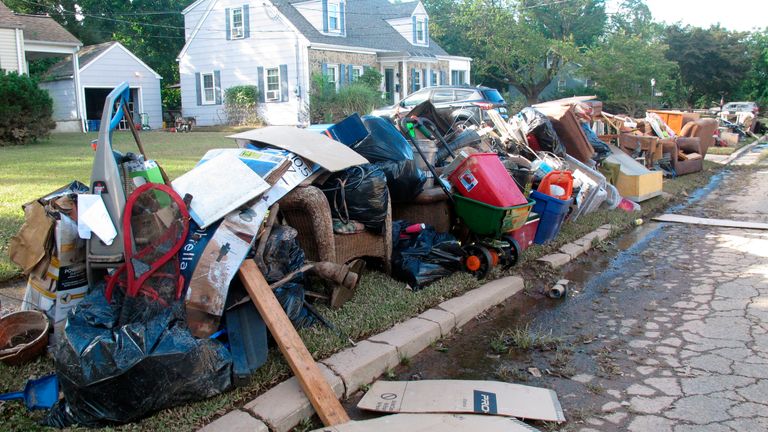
(640, 187)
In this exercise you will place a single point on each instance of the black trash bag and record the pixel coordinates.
(383, 143)
(291, 298)
(360, 194)
(425, 257)
(538, 124)
(112, 374)
(602, 150)
(404, 179)
(282, 254)
(467, 138)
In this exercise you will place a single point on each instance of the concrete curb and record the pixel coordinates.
(735, 155)
(570, 251)
(282, 407)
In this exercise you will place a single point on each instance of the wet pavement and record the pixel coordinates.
(668, 331)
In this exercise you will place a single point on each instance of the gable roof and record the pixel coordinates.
(7, 18)
(366, 27)
(86, 56)
(43, 28)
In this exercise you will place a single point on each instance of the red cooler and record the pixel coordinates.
(482, 177)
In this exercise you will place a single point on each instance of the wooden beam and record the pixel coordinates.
(315, 387)
(725, 223)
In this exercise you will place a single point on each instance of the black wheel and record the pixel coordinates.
(478, 261)
(511, 253)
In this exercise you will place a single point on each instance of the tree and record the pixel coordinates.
(712, 61)
(581, 21)
(755, 86)
(633, 18)
(622, 67)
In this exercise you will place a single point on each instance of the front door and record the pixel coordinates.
(389, 85)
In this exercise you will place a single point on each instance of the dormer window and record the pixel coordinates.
(238, 23)
(421, 31)
(334, 17)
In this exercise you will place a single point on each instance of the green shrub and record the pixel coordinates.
(171, 99)
(26, 110)
(329, 106)
(241, 105)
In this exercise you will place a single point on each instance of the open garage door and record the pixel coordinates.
(94, 106)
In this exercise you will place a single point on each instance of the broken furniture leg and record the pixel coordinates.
(315, 387)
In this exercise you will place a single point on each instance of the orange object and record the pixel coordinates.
(562, 179)
(472, 263)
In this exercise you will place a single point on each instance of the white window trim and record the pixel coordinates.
(203, 99)
(337, 4)
(423, 22)
(279, 85)
(359, 69)
(418, 78)
(232, 29)
(336, 75)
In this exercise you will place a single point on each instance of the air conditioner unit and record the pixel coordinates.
(273, 95)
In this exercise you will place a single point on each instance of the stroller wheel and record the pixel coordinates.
(511, 253)
(478, 261)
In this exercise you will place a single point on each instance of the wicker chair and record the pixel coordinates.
(430, 206)
(307, 210)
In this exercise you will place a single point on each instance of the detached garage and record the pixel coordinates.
(101, 68)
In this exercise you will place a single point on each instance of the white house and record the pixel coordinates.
(79, 103)
(278, 44)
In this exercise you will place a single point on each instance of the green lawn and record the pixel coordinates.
(28, 172)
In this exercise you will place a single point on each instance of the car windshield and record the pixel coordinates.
(415, 98)
(493, 96)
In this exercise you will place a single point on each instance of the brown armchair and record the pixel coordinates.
(307, 210)
(431, 207)
(695, 137)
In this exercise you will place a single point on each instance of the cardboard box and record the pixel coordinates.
(432, 422)
(459, 396)
(57, 290)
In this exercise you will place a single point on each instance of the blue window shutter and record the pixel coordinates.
(414, 28)
(342, 74)
(343, 19)
(217, 86)
(350, 68)
(260, 75)
(426, 31)
(197, 89)
(246, 22)
(228, 25)
(442, 78)
(325, 16)
(284, 82)
(413, 80)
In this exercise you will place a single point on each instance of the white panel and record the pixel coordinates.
(8, 57)
(63, 94)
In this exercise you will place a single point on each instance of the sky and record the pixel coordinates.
(740, 15)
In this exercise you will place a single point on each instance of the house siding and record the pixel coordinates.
(63, 94)
(193, 16)
(272, 43)
(9, 60)
(318, 57)
(117, 66)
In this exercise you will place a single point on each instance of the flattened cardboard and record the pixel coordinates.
(459, 396)
(725, 223)
(433, 423)
(329, 154)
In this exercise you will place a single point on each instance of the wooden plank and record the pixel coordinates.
(315, 387)
(726, 223)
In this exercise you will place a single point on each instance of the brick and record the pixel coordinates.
(556, 260)
(603, 233)
(362, 364)
(446, 320)
(409, 337)
(235, 421)
(476, 301)
(572, 249)
(283, 406)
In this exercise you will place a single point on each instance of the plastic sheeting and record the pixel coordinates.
(425, 257)
(113, 374)
(384, 142)
(539, 125)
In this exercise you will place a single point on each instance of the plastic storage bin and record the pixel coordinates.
(525, 235)
(482, 177)
(553, 212)
(488, 220)
(563, 179)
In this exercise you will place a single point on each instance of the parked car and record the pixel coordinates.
(736, 107)
(458, 104)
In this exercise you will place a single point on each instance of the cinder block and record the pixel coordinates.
(235, 421)
(556, 260)
(469, 305)
(362, 364)
(446, 320)
(572, 249)
(409, 337)
(285, 405)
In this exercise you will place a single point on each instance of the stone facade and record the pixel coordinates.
(318, 57)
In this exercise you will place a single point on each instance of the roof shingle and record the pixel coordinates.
(43, 28)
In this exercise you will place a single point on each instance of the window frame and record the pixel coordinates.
(203, 99)
(418, 78)
(360, 71)
(279, 89)
(336, 76)
(232, 28)
(334, 5)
